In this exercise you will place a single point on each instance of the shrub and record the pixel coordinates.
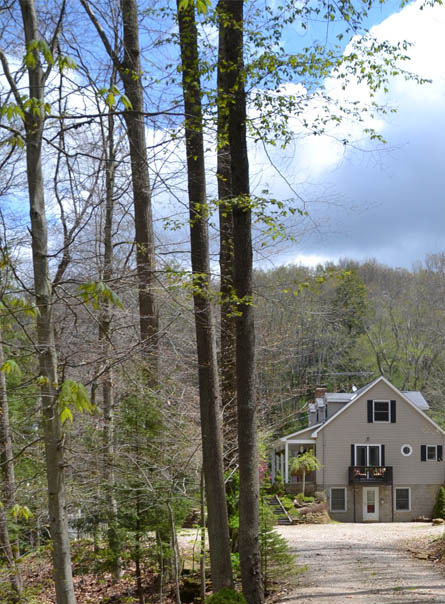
(226, 596)
(320, 496)
(278, 485)
(439, 506)
(303, 499)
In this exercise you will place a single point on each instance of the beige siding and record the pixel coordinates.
(351, 427)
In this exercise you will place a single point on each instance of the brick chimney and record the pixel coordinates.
(320, 391)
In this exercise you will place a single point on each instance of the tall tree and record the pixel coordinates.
(210, 402)
(129, 69)
(227, 320)
(8, 498)
(245, 328)
(33, 113)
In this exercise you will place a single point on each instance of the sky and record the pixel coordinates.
(376, 201)
(367, 200)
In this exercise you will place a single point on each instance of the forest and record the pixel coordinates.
(147, 355)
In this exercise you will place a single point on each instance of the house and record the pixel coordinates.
(381, 455)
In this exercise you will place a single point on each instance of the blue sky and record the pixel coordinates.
(376, 201)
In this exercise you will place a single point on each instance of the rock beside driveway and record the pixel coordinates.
(363, 563)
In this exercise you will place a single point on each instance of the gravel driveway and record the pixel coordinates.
(365, 563)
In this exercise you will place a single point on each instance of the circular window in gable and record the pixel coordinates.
(406, 450)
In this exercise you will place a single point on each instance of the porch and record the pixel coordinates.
(282, 454)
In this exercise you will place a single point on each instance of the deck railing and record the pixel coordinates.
(370, 474)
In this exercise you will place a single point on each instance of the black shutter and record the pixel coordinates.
(352, 455)
(382, 455)
(370, 418)
(439, 453)
(422, 452)
(393, 412)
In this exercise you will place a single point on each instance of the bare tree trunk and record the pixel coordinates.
(210, 406)
(131, 74)
(227, 322)
(175, 550)
(11, 551)
(134, 119)
(245, 335)
(161, 565)
(107, 385)
(202, 530)
(54, 442)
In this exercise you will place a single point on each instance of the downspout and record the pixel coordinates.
(324, 464)
(286, 462)
(392, 502)
(354, 489)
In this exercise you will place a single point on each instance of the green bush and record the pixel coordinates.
(278, 487)
(303, 499)
(227, 596)
(439, 506)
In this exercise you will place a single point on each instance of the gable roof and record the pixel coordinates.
(362, 391)
(307, 429)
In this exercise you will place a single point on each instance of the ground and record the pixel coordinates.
(365, 563)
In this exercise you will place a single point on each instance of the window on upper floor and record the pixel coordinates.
(431, 452)
(381, 412)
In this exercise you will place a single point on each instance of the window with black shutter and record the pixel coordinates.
(431, 453)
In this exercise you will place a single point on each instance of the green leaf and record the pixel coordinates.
(66, 414)
(97, 293)
(10, 367)
(21, 511)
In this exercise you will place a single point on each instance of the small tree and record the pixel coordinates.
(301, 465)
(439, 506)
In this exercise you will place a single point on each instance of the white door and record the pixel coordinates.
(370, 504)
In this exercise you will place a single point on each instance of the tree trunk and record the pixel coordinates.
(245, 336)
(145, 252)
(210, 406)
(227, 321)
(11, 552)
(107, 385)
(53, 437)
(131, 74)
(202, 531)
(175, 550)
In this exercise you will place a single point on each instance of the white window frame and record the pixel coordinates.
(395, 498)
(410, 450)
(346, 499)
(435, 454)
(367, 452)
(381, 421)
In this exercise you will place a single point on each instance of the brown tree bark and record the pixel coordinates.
(245, 335)
(53, 437)
(129, 69)
(11, 551)
(226, 264)
(210, 405)
(105, 335)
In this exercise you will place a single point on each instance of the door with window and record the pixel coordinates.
(370, 504)
(367, 455)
